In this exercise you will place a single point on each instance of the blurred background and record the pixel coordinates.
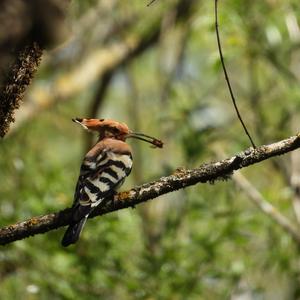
(157, 68)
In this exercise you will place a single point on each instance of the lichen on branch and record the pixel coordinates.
(181, 178)
(13, 87)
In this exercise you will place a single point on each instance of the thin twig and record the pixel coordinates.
(97, 102)
(226, 75)
(266, 207)
(182, 178)
(152, 1)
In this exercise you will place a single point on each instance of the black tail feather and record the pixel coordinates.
(72, 234)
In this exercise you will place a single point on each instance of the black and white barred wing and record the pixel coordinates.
(103, 170)
(100, 176)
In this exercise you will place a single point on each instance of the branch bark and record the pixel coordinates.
(19, 78)
(181, 178)
(27, 27)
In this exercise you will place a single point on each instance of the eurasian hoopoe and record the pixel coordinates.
(103, 170)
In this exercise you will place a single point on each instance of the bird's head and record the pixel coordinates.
(112, 129)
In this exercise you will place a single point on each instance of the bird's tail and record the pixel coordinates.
(72, 234)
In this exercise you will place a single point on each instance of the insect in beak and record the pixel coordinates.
(146, 138)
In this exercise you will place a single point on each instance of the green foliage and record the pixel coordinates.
(205, 242)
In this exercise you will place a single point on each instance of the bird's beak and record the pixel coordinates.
(146, 138)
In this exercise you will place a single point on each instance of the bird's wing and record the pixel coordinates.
(100, 175)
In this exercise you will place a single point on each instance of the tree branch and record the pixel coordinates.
(97, 102)
(266, 207)
(26, 28)
(182, 178)
(97, 64)
(13, 88)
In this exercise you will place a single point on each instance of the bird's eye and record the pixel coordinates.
(115, 130)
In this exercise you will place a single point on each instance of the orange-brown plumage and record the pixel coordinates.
(105, 127)
(110, 144)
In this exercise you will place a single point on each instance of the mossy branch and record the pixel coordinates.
(17, 80)
(181, 178)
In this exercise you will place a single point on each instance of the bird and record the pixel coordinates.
(103, 170)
